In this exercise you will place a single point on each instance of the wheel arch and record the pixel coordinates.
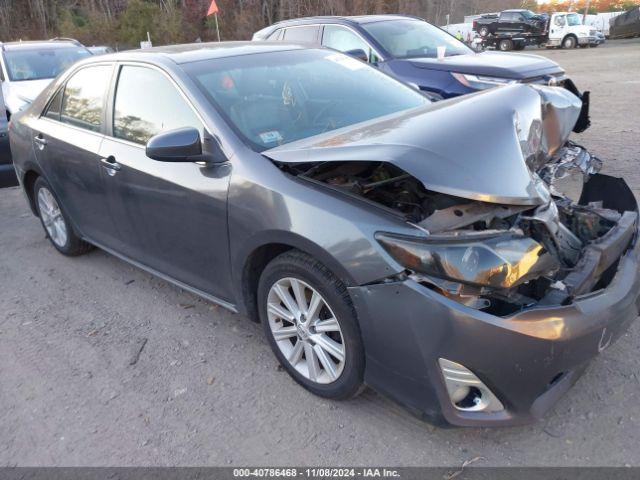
(259, 254)
(572, 35)
(28, 182)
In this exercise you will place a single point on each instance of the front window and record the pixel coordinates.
(147, 103)
(573, 19)
(38, 64)
(275, 98)
(414, 38)
(344, 40)
(528, 14)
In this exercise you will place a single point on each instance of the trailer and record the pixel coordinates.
(512, 41)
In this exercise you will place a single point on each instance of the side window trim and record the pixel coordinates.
(114, 89)
(45, 110)
(357, 34)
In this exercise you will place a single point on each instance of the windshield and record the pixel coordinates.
(528, 14)
(573, 19)
(414, 38)
(38, 64)
(279, 97)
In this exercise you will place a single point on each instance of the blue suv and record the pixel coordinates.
(407, 48)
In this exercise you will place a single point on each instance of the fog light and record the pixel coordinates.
(466, 391)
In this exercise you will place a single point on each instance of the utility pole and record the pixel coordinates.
(586, 10)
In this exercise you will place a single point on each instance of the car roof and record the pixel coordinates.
(40, 44)
(194, 52)
(354, 19)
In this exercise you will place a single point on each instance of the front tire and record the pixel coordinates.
(55, 222)
(311, 325)
(569, 42)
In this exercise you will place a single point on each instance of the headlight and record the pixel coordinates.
(479, 82)
(501, 261)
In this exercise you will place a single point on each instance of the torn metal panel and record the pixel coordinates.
(459, 216)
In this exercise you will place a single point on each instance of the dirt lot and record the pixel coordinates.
(206, 390)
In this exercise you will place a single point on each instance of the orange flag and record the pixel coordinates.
(213, 8)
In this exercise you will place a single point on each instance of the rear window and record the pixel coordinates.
(306, 34)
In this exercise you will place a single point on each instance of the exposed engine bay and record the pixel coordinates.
(502, 257)
(567, 232)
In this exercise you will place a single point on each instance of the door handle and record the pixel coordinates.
(110, 164)
(40, 140)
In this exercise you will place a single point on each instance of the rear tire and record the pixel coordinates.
(319, 346)
(505, 45)
(484, 31)
(55, 221)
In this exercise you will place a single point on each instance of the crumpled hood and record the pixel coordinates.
(517, 66)
(480, 146)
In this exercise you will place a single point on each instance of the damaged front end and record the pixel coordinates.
(548, 229)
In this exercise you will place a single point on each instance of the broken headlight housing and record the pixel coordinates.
(498, 261)
(479, 82)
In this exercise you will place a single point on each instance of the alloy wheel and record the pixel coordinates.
(52, 217)
(306, 330)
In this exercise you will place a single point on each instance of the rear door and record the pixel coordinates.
(67, 139)
(171, 217)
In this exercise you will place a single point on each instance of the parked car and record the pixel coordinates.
(26, 68)
(406, 48)
(340, 208)
(510, 21)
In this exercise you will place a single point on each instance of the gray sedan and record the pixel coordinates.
(464, 258)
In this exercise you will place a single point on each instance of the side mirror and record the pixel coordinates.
(184, 145)
(359, 54)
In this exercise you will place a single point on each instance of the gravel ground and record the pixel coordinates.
(206, 390)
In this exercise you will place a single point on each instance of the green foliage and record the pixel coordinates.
(136, 21)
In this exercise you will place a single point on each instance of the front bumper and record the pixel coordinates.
(587, 40)
(528, 359)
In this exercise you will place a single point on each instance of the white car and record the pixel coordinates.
(26, 68)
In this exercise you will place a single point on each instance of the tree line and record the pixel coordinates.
(124, 23)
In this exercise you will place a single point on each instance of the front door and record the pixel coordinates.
(171, 217)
